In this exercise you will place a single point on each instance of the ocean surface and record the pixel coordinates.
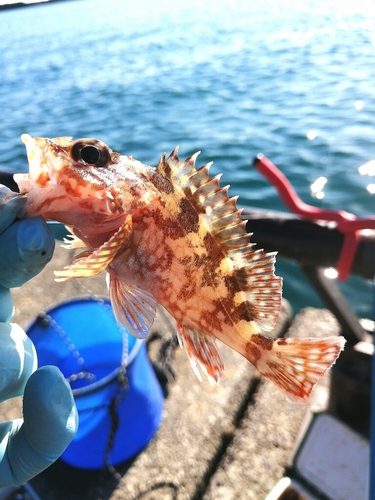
(294, 80)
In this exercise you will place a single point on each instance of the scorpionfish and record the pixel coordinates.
(171, 235)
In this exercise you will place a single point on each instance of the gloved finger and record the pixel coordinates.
(50, 423)
(26, 247)
(6, 305)
(10, 204)
(18, 360)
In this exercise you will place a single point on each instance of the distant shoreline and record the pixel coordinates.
(16, 5)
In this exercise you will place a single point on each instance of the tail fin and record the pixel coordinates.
(296, 365)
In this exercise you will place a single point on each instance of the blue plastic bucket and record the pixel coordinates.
(82, 338)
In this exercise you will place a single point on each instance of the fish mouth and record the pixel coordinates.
(23, 182)
(39, 181)
(36, 149)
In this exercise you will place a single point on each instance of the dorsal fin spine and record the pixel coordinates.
(174, 155)
(193, 158)
(199, 177)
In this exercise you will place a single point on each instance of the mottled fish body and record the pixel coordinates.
(171, 236)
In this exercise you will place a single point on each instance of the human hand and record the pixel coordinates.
(28, 445)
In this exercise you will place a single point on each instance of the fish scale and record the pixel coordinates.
(172, 236)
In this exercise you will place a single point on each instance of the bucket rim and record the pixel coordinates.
(114, 373)
(76, 298)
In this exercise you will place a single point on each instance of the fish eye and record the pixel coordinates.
(91, 152)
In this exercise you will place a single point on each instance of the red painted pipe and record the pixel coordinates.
(347, 223)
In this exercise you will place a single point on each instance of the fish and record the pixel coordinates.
(172, 236)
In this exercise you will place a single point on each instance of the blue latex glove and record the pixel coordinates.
(31, 444)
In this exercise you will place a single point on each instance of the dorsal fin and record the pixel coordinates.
(253, 269)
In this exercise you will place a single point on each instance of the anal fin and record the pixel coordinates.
(92, 263)
(202, 353)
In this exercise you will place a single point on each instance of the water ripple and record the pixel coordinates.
(229, 78)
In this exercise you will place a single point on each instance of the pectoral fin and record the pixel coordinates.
(133, 307)
(72, 242)
(92, 263)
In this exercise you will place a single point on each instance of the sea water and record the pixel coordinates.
(294, 80)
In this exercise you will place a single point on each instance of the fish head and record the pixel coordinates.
(67, 177)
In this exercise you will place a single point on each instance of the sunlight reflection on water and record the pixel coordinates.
(368, 169)
(316, 188)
